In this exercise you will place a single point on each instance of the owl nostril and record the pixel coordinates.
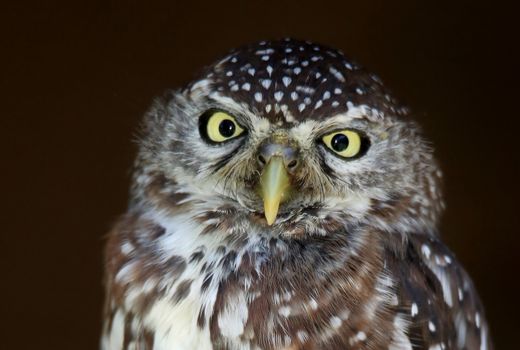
(261, 160)
(292, 164)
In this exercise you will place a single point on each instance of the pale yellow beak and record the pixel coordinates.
(274, 187)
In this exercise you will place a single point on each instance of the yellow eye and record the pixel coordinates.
(220, 127)
(345, 143)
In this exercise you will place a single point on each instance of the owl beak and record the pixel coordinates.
(274, 187)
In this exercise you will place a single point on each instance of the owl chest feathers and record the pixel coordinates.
(197, 289)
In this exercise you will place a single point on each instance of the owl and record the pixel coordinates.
(285, 200)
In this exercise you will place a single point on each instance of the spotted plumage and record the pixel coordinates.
(284, 200)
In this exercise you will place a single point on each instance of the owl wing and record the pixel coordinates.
(439, 297)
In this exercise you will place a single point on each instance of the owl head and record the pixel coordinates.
(289, 137)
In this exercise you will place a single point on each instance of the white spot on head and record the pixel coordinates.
(359, 91)
(318, 104)
(229, 73)
(305, 89)
(268, 108)
(246, 86)
(284, 109)
(337, 91)
(294, 95)
(286, 81)
(265, 58)
(335, 103)
(251, 71)
(297, 70)
(266, 83)
(301, 107)
(258, 96)
(326, 95)
(269, 70)
(431, 326)
(278, 95)
(264, 52)
(337, 74)
(234, 87)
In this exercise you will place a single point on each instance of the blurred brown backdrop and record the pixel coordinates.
(75, 80)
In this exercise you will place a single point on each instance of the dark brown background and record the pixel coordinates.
(75, 80)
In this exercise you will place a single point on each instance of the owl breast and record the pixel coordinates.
(198, 287)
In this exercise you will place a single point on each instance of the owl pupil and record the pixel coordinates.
(226, 128)
(339, 142)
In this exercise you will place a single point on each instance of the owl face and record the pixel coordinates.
(284, 133)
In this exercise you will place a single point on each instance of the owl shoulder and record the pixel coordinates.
(437, 294)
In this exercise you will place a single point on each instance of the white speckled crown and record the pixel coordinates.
(307, 80)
